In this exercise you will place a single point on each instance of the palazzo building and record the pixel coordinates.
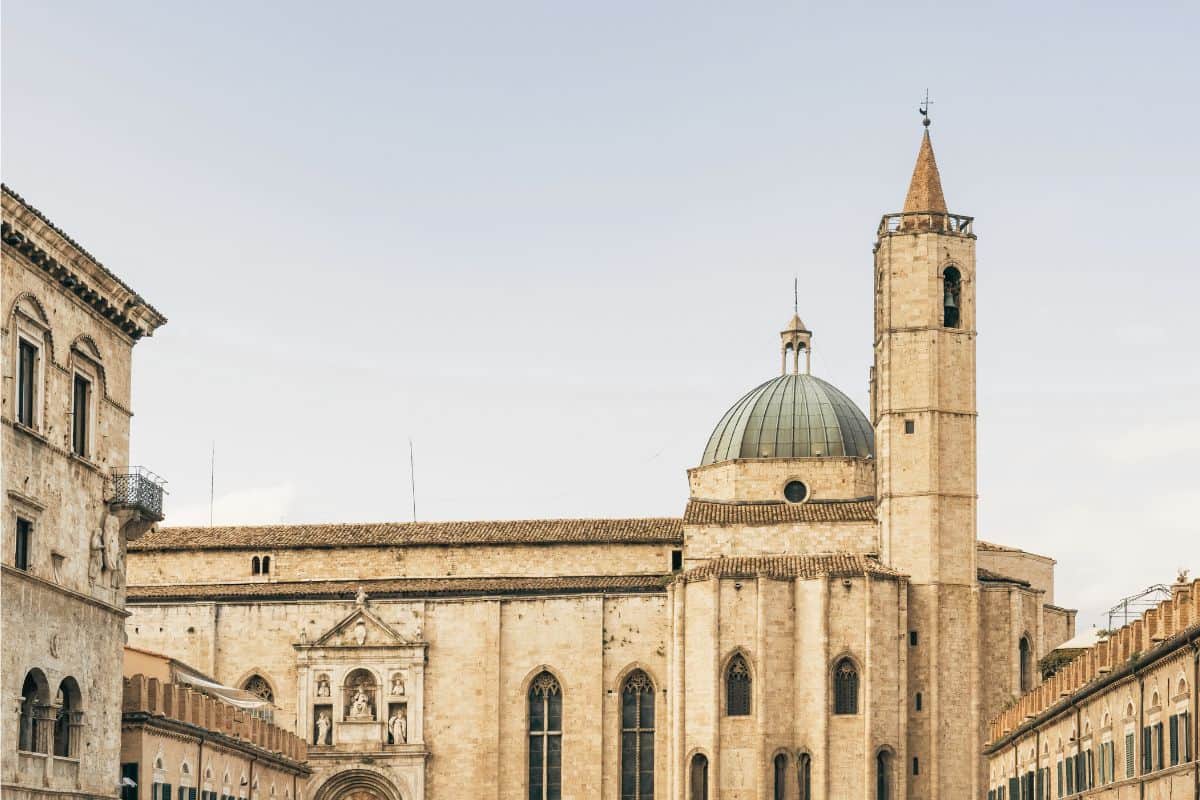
(70, 502)
(822, 621)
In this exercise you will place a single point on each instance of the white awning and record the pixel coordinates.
(235, 697)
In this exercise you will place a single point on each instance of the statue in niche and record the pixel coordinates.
(322, 729)
(322, 685)
(398, 726)
(397, 683)
(360, 632)
(360, 705)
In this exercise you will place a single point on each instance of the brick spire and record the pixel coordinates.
(925, 190)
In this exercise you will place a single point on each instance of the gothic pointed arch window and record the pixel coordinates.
(737, 687)
(545, 738)
(951, 297)
(845, 687)
(637, 737)
(257, 685)
(1025, 655)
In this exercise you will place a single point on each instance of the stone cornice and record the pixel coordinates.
(54, 587)
(84, 276)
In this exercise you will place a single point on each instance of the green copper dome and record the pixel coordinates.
(792, 416)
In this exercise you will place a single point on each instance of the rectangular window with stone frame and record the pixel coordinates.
(81, 411)
(27, 371)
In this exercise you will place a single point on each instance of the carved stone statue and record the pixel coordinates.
(322, 729)
(360, 597)
(360, 632)
(397, 683)
(322, 685)
(96, 555)
(398, 726)
(360, 706)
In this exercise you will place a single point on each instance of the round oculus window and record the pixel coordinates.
(795, 492)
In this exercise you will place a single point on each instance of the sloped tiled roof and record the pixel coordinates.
(399, 587)
(834, 565)
(987, 576)
(995, 548)
(925, 188)
(384, 534)
(703, 512)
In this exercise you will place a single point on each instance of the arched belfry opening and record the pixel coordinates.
(796, 339)
(951, 297)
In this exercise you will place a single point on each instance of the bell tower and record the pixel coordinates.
(923, 412)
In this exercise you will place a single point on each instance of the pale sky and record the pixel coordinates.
(553, 242)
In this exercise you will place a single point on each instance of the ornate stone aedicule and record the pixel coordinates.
(361, 685)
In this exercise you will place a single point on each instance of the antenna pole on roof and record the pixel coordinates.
(412, 475)
(212, 481)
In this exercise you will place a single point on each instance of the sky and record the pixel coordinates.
(550, 243)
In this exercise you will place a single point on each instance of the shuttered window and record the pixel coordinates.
(1129, 747)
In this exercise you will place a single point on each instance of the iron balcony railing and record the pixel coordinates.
(915, 221)
(139, 489)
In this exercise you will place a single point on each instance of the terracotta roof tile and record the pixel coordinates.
(400, 587)
(413, 534)
(704, 512)
(836, 565)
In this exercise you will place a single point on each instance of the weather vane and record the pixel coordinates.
(924, 109)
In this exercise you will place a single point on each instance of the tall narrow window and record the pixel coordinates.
(845, 687)
(26, 381)
(805, 776)
(781, 777)
(883, 776)
(737, 687)
(255, 566)
(24, 538)
(266, 565)
(79, 421)
(699, 777)
(68, 708)
(1129, 745)
(1025, 654)
(637, 737)
(951, 297)
(129, 781)
(545, 738)
(31, 697)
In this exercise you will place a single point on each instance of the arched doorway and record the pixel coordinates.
(358, 784)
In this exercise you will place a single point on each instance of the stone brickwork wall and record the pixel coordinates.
(355, 563)
(62, 613)
(763, 479)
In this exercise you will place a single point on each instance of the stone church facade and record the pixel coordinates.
(821, 623)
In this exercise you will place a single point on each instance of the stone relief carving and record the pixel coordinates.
(397, 683)
(360, 632)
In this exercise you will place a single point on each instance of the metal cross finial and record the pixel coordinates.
(924, 109)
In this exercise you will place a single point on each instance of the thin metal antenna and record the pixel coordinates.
(412, 474)
(795, 295)
(212, 481)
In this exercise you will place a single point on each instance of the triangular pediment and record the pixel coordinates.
(360, 628)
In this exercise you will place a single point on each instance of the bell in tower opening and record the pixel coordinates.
(951, 291)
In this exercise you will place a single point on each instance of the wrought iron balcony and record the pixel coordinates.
(137, 489)
(917, 221)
